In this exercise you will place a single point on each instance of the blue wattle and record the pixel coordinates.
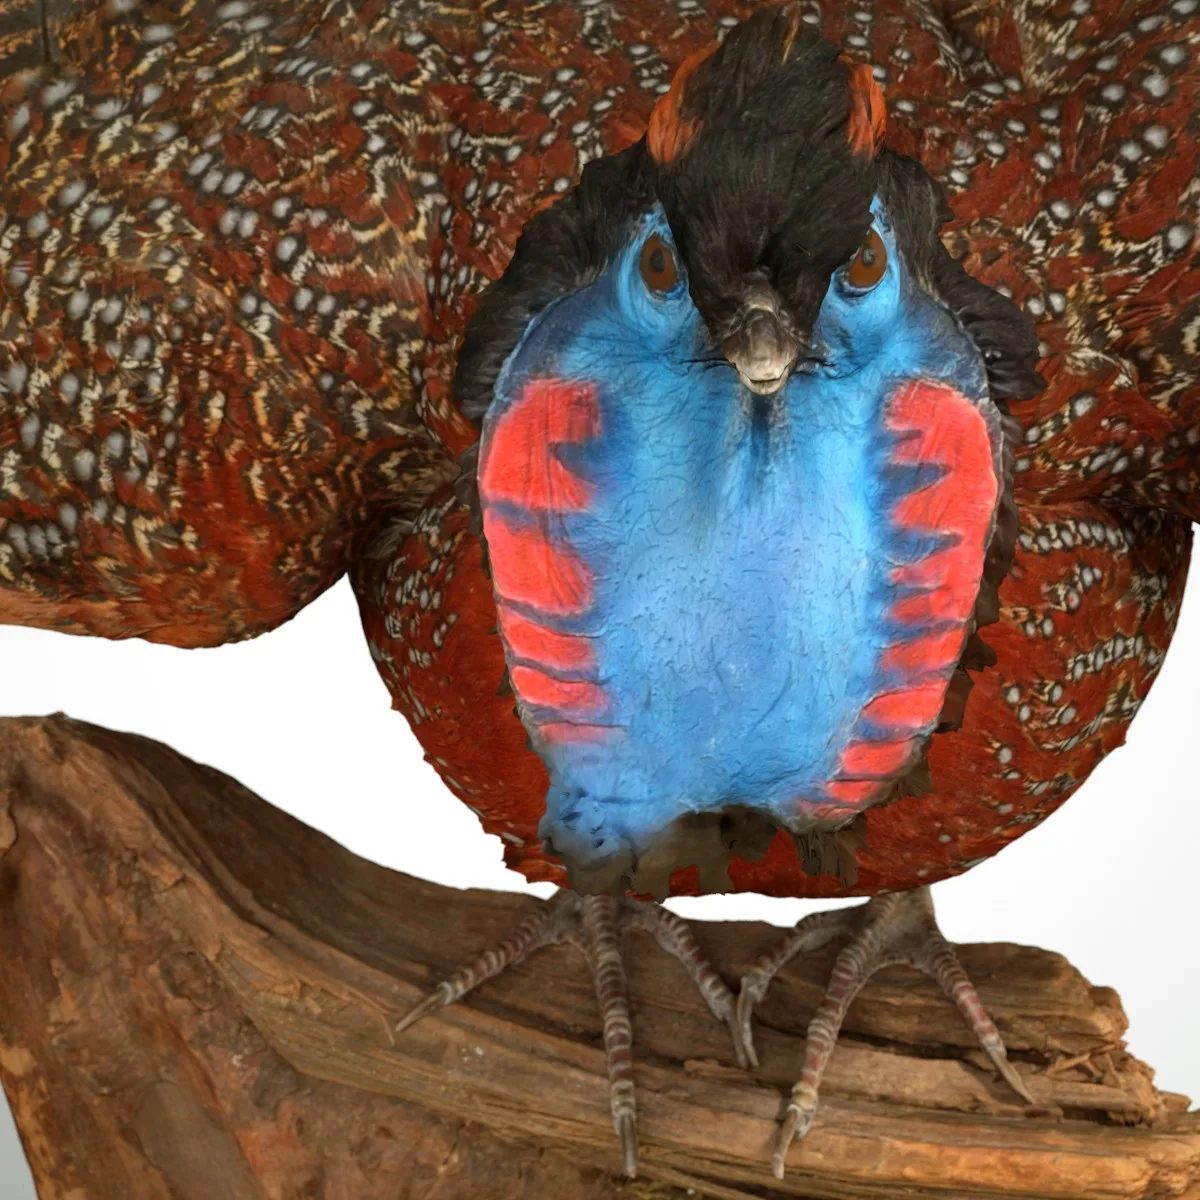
(740, 553)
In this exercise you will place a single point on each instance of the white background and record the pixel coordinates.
(301, 717)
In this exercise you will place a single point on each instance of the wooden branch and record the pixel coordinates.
(196, 993)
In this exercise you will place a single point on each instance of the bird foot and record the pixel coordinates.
(594, 925)
(888, 930)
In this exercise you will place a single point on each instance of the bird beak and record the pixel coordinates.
(762, 351)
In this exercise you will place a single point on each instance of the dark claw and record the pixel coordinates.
(627, 1129)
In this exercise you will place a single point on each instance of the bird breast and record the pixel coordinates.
(703, 608)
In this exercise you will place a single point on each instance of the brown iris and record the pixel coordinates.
(869, 265)
(660, 271)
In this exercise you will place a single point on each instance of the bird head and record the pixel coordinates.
(763, 160)
(743, 469)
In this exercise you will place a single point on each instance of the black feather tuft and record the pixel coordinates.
(769, 189)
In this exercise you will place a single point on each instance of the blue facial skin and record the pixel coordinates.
(740, 547)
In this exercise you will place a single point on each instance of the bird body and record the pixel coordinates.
(708, 520)
(242, 243)
(1093, 240)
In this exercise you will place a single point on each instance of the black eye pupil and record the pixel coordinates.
(658, 261)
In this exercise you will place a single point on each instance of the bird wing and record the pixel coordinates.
(215, 227)
(1068, 149)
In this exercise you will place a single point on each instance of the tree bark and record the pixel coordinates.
(197, 993)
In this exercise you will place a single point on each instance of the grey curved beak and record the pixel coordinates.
(762, 352)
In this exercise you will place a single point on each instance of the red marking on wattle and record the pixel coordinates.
(851, 791)
(569, 696)
(528, 568)
(949, 586)
(935, 506)
(568, 731)
(559, 651)
(519, 464)
(875, 759)
(933, 607)
(936, 426)
(934, 571)
(940, 426)
(933, 652)
(913, 708)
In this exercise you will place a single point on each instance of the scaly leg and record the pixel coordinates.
(594, 925)
(886, 931)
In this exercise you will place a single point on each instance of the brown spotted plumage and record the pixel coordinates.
(215, 240)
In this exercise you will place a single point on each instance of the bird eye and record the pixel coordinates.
(660, 271)
(869, 265)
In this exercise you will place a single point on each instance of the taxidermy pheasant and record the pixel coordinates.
(674, 522)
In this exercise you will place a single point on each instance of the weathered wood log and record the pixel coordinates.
(197, 993)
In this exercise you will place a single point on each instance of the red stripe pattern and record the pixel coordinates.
(526, 489)
(933, 425)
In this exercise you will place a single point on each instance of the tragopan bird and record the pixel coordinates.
(682, 547)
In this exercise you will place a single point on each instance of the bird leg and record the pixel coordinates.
(886, 931)
(594, 925)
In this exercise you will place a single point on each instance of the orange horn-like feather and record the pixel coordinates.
(669, 135)
(868, 113)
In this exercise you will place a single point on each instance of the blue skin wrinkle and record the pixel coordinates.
(741, 563)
